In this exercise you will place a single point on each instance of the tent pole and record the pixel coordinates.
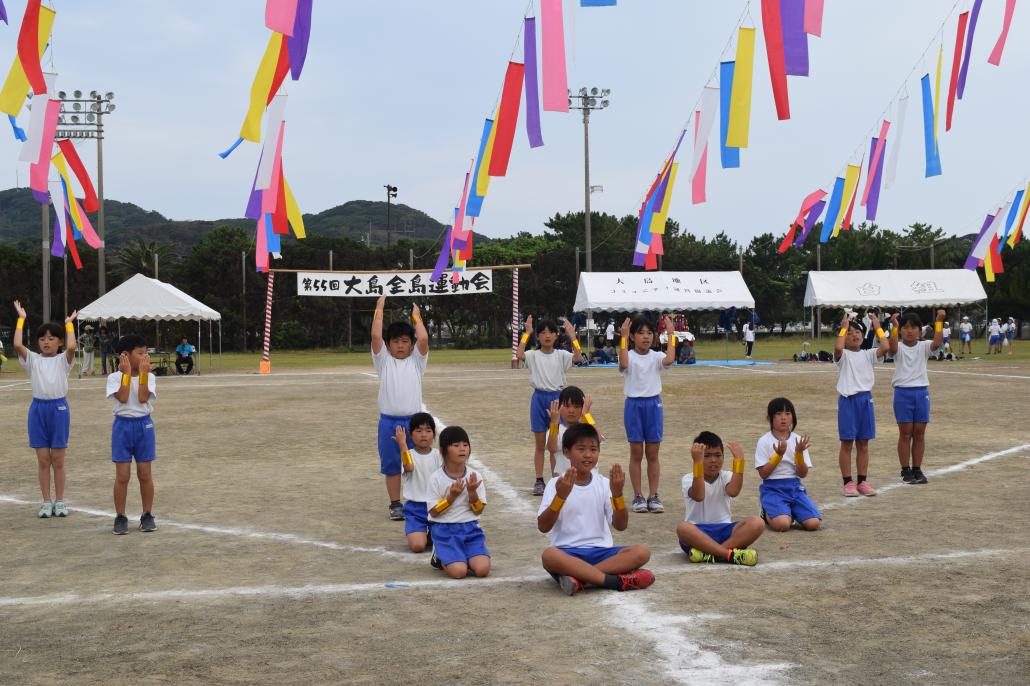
(210, 348)
(219, 345)
(199, 339)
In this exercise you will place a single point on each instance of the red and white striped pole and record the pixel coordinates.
(266, 365)
(515, 319)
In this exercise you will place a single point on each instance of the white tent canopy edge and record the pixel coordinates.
(893, 288)
(662, 291)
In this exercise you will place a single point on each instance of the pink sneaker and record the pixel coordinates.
(865, 489)
(850, 489)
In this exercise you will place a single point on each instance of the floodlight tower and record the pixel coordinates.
(588, 101)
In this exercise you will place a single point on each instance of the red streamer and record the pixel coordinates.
(507, 119)
(280, 224)
(773, 30)
(70, 241)
(956, 64)
(28, 48)
(846, 224)
(995, 257)
(90, 203)
(282, 68)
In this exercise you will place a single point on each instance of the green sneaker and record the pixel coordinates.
(696, 555)
(743, 556)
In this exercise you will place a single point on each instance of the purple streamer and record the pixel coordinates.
(297, 44)
(536, 138)
(810, 220)
(441, 261)
(969, 48)
(3, 13)
(972, 262)
(57, 247)
(795, 40)
(42, 197)
(253, 210)
(874, 191)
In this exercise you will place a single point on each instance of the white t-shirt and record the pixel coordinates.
(584, 519)
(785, 469)
(947, 330)
(910, 364)
(609, 333)
(561, 463)
(715, 509)
(855, 371)
(133, 408)
(641, 376)
(995, 329)
(49, 374)
(1004, 328)
(547, 370)
(459, 511)
(749, 333)
(400, 381)
(415, 484)
(965, 327)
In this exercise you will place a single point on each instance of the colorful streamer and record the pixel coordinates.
(536, 138)
(955, 67)
(833, 211)
(57, 244)
(507, 119)
(875, 156)
(697, 181)
(28, 46)
(933, 158)
(297, 44)
(729, 157)
(293, 212)
(658, 224)
(441, 260)
(740, 97)
(875, 172)
(3, 13)
(597, 3)
(795, 40)
(274, 132)
(969, 48)
(851, 178)
(814, 17)
(474, 205)
(70, 242)
(1014, 237)
(90, 203)
(16, 87)
(813, 217)
(807, 204)
(555, 77)
(983, 239)
(993, 257)
(937, 93)
(1010, 219)
(892, 166)
(483, 180)
(261, 90)
(19, 133)
(995, 58)
(40, 168)
(280, 16)
(773, 30)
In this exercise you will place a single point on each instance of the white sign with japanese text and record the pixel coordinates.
(394, 284)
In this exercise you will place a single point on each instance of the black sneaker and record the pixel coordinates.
(906, 475)
(147, 523)
(121, 525)
(434, 561)
(917, 476)
(396, 512)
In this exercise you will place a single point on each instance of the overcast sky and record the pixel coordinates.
(395, 91)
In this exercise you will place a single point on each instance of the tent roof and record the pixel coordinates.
(664, 291)
(894, 288)
(144, 298)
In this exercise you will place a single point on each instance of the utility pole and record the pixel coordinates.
(818, 310)
(243, 295)
(45, 215)
(411, 258)
(391, 192)
(588, 101)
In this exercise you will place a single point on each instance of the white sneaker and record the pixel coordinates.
(60, 509)
(46, 510)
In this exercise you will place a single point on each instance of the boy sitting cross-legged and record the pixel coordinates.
(576, 511)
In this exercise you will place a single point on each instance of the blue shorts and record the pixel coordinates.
(592, 556)
(720, 533)
(133, 437)
(946, 341)
(389, 451)
(787, 497)
(416, 518)
(644, 419)
(965, 337)
(856, 417)
(1011, 335)
(539, 407)
(458, 542)
(912, 404)
(996, 339)
(49, 423)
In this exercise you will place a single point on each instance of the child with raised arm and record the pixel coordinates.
(133, 389)
(856, 417)
(548, 369)
(642, 413)
(400, 359)
(418, 464)
(783, 497)
(708, 532)
(571, 408)
(49, 413)
(576, 511)
(912, 390)
(459, 545)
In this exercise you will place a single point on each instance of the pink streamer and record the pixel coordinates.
(459, 233)
(995, 58)
(40, 169)
(280, 15)
(270, 196)
(814, 17)
(86, 229)
(874, 161)
(261, 249)
(697, 183)
(556, 82)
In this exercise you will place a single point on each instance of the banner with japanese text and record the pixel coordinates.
(394, 284)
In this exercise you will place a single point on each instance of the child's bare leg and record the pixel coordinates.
(57, 461)
(636, 456)
(540, 437)
(918, 445)
(393, 486)
(561, 563)
(146, 485)
(692, 537)
(480, 565)
(746, 532)
(844, 458)
(457, 570)
(654, 469)
(626, 560)
(782, 522)
(416, 541)
(43, 471)
(862, 457)
(122, 472)
(811, 524)
(905, 444)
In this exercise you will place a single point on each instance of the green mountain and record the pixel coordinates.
(124, 222)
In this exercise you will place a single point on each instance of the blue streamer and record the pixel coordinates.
(730, 157)
(232, 147)
(597, 3)
(19, 132)
(933, 153)
(274, 244)
(832, 210)
(1017, 202)
(474, 203)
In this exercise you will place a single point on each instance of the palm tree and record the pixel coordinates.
(139, 257)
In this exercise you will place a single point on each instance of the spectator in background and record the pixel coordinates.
(966, 336)
(1010, 333)
(87, 343)
(685, 345)
(749, 339)
(184, 356)
(107, 342)
(609, 334)
(599, 355)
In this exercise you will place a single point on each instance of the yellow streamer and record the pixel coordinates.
(988, 267)
(16, 87)
(62, 169)
(659, 219)
(937, 94)
(483, 180)
(251, 129)
(1011, 242)
(850, 183)
(293, 214)
(740, 95)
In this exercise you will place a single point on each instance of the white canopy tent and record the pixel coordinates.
(149, 299)
(894, 288)
(662, 291)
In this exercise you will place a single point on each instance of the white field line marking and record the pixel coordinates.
(676, 641)
(245, 533)
(997, 376)
(531, 576)
(940, 471)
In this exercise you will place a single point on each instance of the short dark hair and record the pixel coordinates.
(782, 405)
(53, 328)
(452, 435)
(420, 419)
(130, 342)
(399, 330)
(547, 325)
(910, 318)
(639, 322)
(571, 395)
(855, 324)
(578, 432)
(710, 440)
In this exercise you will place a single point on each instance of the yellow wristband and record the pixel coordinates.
(441, 506)
(477, 506)
(775, 459)
(799, 458)
(738, 465)
(524, 339)
(589, 419)
(20, 324)
(575, 344)
(880, 333)
(699, 470)
(894, 332)
(553, 431)
(143, 379)
(69, 327)
(619, 503)
(843, 332)
(938, 326)
(672, 341)
(406, 458)
(556, 504)
(623, 344)
(125, 380)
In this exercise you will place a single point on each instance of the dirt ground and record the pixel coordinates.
(274, 561)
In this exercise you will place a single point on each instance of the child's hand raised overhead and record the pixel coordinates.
(697, 453)
(528, 328)
(70, 318)
(563, 487)
(617, 479)
(669, 328)
(570, 329)
(781, 447)
(896, 320)
(401, 438)
(625, 326)
(588, 402)
(472, 483)
(19, 309)
(941, 315)
(874, 322)
(456, 488)
(553, 412)
(802, 444)
(737, 451)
